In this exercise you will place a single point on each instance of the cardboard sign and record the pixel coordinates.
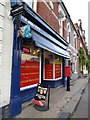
(48, 71)
(29, 73)
(40, 96)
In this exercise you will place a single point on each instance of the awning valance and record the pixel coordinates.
(42, 42)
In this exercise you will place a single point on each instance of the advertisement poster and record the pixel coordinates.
(48, 71)
(29, 73)
(40, 96)
(57, 69)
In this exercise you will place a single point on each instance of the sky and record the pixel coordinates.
(78, 9)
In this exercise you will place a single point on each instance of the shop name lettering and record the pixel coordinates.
(29, 22)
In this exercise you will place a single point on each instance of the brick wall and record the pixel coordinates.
(50, 16)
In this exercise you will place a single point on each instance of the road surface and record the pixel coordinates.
(82, 108)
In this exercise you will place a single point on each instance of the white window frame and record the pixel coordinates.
(60, 26)
(68, 38)
(53, 69)
(68, 32)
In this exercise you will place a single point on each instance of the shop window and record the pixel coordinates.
(52, 66)
(30, 62)
(48, 65)
(58, 66)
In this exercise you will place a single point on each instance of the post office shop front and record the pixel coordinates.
(38, 59)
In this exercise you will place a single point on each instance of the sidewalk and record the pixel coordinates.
(62, 102)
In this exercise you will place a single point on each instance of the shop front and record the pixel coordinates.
(39, 58)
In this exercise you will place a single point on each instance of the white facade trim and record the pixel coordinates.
(6, 41)
(28, 87)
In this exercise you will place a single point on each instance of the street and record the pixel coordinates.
(82, 108)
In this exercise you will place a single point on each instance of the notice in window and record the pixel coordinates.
(48, 71)
(57, 67)
(29, 73)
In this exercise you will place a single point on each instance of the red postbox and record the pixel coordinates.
(67, 71)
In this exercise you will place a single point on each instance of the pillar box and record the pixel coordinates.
(68, 75)
(67, 71)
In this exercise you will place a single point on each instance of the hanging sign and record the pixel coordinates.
(24, 32)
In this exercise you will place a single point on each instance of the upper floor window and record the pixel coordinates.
(61, 23)
(68, 32)
(75, 41)
(51, 5)
(60, 26)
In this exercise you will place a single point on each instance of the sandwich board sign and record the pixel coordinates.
(41, 99)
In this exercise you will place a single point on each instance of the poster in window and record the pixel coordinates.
(48, 71)
(57, 68)
(29, 73)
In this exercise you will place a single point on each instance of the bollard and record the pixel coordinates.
(68, 83)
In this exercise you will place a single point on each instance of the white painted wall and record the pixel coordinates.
(6, 41)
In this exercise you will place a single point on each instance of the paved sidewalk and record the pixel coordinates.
(62, 102)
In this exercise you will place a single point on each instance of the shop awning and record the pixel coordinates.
(44, 43)
(42, 33)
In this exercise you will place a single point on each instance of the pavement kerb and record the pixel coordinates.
(67, 112)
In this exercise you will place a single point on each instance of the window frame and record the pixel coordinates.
(34, 85)
(53, 69)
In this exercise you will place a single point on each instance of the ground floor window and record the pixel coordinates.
(58, 67)
(30, 62)
(49, 65)
(52, 66)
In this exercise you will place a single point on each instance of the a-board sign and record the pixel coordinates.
(42, 97)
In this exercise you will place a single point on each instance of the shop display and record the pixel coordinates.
(29, 73)
(57, 71)
(29, 65)
(48, 71)
(58, 62)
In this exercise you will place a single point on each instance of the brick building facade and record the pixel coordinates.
(51, 16)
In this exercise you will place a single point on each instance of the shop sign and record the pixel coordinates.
(29, 73)
(24, 32)
(40, 96)
(26, 50)
(29, 22)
